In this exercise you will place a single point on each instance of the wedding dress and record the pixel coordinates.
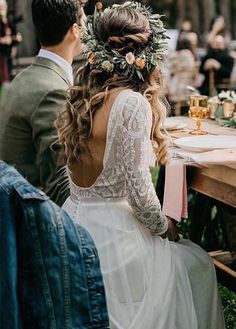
(151, 283)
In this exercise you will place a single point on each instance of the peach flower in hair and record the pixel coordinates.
(92, 58)
(140, 63)
(130, 59)
(99, 5)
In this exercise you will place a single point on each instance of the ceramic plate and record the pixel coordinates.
(173, 123)
(206, 143)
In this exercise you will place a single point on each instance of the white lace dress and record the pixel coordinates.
(150, 283)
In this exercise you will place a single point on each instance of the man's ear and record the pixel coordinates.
(74, 32)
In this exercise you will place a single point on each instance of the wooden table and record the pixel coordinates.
(218, 182)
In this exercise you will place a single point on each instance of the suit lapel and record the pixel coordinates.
(49, 64)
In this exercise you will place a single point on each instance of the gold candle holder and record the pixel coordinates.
(198, 111)
(212, 109)
(228, 109)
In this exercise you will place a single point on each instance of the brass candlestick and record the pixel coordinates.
(198, 111)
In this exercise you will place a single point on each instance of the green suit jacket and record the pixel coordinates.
(27, 132)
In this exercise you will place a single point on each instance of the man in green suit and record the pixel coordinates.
(28, 139)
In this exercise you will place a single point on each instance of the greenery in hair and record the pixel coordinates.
(133, 64)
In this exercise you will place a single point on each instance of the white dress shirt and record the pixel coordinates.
(66, 67)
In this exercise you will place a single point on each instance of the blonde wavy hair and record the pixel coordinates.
(125, 30)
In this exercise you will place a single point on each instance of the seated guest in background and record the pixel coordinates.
(182, 72)
(16, 40)
(186, 31)
(217, 60)
(193, 38)
(5, 42)
(217, 27)
(38, 94)
(186, 26)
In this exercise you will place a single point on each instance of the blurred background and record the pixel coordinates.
(193, 26)
(199, 12)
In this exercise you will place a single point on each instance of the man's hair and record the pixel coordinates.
(53, 18)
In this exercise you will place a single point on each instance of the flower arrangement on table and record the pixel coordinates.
(223, 108)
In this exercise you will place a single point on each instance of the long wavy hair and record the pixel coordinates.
(124, 29)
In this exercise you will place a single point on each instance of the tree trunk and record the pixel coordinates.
(193, 13)
(207, 8)
(181, 7)
(225, 11)
(233, 20)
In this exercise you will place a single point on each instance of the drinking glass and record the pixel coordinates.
(198, 111)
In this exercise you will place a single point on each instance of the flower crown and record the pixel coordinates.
(131, 65)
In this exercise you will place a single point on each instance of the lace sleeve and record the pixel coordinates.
(136, 130)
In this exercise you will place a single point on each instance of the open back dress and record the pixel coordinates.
(150, 282)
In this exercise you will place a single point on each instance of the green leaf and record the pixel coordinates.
(140, 75)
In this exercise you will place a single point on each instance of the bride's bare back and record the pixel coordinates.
(85, 172)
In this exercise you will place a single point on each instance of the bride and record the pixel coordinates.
(112, 115)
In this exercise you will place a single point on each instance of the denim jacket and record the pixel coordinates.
(50, 275)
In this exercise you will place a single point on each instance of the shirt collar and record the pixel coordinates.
(67, 68)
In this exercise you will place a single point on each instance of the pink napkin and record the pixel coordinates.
(175, 203)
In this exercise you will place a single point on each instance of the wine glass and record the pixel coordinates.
(198, 111)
